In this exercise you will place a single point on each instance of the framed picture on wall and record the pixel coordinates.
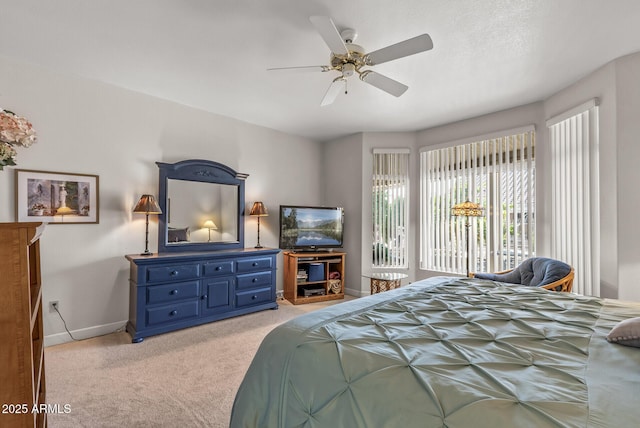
(56, 197)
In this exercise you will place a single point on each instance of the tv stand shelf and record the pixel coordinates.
(326, 265)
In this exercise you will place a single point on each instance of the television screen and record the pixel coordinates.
(310, 227)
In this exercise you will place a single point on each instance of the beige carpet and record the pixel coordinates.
(186, 378)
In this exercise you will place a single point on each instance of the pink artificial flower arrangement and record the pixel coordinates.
(14, 131)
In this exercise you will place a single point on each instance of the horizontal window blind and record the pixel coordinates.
(497, 173)
(575, 195)
(390, 209)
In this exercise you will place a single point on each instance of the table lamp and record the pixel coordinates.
(147, 205)
(258, 210)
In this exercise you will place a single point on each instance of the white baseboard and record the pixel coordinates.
(84, 333)
(356, 293)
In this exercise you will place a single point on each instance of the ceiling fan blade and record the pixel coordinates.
(303, 69)
(400, 50)
(334, 89)
(329, 34)
(388, 85)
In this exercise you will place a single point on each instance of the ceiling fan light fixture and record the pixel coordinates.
(348, 69)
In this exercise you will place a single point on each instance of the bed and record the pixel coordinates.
(447, 352)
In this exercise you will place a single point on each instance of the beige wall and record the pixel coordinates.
(343, 186)
(616, 86)
(89, 127)
(628, 158)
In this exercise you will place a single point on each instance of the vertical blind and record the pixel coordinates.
(575, 233)
(497, 173)
(390, 195)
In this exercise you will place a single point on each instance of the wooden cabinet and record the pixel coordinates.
(313, 277)
(172, 291)
(22, 374)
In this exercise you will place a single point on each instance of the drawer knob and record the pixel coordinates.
(254, 297)
(204, 297)
(174, 272)
(254, 280)
(174, 292)
(172, 313)
(218, 267)
(255, 263)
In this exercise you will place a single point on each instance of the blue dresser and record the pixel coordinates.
(173, 291)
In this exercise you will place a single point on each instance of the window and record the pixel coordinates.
(575, 221)
(390, 196)
(497, 173)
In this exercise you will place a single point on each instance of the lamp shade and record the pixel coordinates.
(147, 205)
(258, 209)
(209, 224)
(467, 209)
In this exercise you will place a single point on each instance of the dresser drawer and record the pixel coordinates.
(253, 297)
(172, 273)
(223, 267)
(254, 280)
(172, 292)
(258, 263)
(171, 313)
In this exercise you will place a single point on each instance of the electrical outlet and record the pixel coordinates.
(279, 294)
(53, 305)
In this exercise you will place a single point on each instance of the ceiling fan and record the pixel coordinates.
(348, 58)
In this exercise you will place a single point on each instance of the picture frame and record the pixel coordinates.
(56, 197)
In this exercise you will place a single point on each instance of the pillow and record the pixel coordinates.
(626, 332)
(178, 235)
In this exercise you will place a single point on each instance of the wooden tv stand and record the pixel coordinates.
(294, 287)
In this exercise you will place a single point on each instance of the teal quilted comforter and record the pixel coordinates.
(447, 352)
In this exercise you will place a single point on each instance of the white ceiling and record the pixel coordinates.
(488, 55)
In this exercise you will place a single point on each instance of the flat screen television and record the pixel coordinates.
(311, 228)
